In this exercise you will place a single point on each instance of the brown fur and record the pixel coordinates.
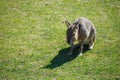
(81, 30)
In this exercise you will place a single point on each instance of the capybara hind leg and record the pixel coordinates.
(81, 49)
(91, 44)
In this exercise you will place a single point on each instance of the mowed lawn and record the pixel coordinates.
(33, 42)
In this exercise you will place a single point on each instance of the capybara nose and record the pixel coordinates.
(68, 42)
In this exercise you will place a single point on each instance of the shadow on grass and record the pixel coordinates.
(62, 57)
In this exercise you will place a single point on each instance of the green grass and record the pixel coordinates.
(33, 46)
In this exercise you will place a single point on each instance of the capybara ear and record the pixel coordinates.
(75, 25)
(67, 24)
(75, 28)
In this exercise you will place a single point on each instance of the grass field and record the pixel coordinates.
(33, 44)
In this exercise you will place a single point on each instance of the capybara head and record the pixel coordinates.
(71, 33)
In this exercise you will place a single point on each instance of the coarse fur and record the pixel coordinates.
(83, 31)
